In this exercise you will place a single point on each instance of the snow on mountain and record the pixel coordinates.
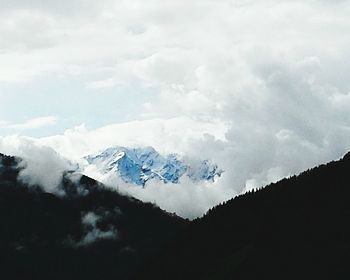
(137, 166)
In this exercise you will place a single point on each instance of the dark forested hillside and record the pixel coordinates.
(89, 233)
(298, 228)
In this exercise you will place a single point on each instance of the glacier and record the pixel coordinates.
(139, 165)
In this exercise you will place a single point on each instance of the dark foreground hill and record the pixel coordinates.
(89, 233)
(298, 228)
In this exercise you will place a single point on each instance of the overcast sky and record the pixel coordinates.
(260, 87)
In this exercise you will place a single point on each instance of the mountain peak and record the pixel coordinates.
(139, 165)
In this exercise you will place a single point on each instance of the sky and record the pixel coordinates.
(259, 87)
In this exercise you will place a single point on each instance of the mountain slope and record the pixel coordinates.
(90, 233)
(137, 166)
(297, 228)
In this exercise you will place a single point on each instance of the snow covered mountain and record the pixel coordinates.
(137, 166)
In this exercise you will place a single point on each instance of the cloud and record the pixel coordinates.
(3, 124)
(90, 222)
(187, 199)
(32, 123)
(259, 87)
(41, 166)
(122, 38)
(107, 83)
(173, 135)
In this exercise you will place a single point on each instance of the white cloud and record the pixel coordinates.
(259, 87)
(187, 199)
(32, 123)
(93, 233)
(107, 83)
(3, 124)
(174, 135)
(41, 166)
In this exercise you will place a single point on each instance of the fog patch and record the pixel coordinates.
(186, 198)
(92, 226)
(40, 165)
